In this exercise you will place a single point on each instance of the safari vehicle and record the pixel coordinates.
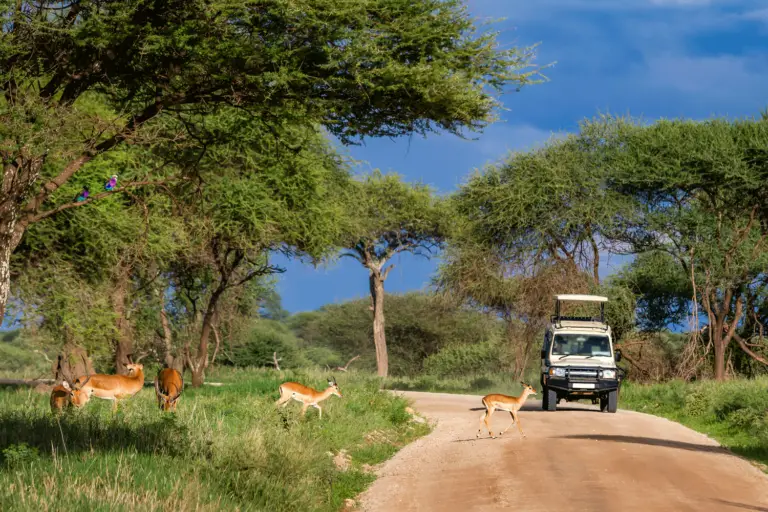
(578, 360)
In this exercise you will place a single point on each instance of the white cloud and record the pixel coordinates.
(757, 15)
(502, 138)
(707, 77)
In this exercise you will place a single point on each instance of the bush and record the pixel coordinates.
(264, 339)
(460, 360)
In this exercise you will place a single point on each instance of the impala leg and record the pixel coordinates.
(482, 419)
(319, 409)
(510, 425)
(304, 409)
(519, 426)
(114, 405)
(488, 421)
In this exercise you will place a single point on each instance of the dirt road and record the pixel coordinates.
(574, 459)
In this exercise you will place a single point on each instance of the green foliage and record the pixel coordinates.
(546, 203)
(385, 216)
(418, 326)
(462, 360)
(263, 339)
(241, 453)
(663, 290)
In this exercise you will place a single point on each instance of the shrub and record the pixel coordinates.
(459, 360)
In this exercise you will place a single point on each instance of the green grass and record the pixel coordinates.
(227, 448)
(735, 413)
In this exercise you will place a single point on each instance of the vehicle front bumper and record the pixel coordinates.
(578, 386)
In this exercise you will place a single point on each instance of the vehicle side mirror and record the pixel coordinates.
(617, 354)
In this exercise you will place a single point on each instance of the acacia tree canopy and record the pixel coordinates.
(80, 78)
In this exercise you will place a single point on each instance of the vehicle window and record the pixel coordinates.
(581, 345)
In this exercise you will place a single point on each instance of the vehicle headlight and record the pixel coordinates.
(609, 374)
(557, 372)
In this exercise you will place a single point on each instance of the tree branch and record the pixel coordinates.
(744, 346)
(31, 219)
(346, 366)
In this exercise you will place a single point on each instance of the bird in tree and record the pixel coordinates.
(111, 184)
(83, 195)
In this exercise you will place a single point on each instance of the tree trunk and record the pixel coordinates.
(198, 365)
(717, 341)
(376, 280)
(5, 275)
(124, 342)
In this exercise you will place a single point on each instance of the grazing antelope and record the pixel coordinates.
(115, 387)
(65, 394)
(511, 404)
(169, 385)
(305, 395)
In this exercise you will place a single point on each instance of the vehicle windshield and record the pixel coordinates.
(581, 345)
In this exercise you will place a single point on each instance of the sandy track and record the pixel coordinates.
(574, 459)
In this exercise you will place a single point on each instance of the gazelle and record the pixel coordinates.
(169, 384)
(511, 404)
(306, 395)
(65, 394)
(114, 387)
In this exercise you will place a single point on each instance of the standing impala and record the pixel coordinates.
(169, 385)
(65, 394)
(511, 404)
(114, 387)
(307, 396)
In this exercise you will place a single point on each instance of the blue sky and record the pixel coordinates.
(650, 58)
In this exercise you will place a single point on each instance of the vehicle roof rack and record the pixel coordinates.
(557, 318)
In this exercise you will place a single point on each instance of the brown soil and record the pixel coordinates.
(574, 459)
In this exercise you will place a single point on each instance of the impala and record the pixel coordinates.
(115, 387)
(66, 395)
(511, 404)
(306, 395)
(169, 385)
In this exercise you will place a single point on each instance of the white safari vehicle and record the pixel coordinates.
(578, 360)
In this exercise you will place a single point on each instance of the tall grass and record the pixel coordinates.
(227, 448)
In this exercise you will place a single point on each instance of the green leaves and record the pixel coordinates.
(385, 216)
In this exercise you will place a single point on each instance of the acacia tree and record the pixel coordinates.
(693, 184)
(547, 204)
(385, 217)
(80, 78)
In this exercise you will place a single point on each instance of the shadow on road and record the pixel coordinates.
(536, 407)
(650, 442)
(743, 506)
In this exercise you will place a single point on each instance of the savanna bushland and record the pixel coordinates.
(220, 122)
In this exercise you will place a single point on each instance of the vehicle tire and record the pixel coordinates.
(550, 400)
(610, 403)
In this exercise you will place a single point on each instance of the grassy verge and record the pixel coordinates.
(734, 413)
(227, 448)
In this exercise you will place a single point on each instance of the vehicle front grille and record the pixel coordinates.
(582, 373)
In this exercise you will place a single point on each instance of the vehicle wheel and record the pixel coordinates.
(610, 403)
(550, 399)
